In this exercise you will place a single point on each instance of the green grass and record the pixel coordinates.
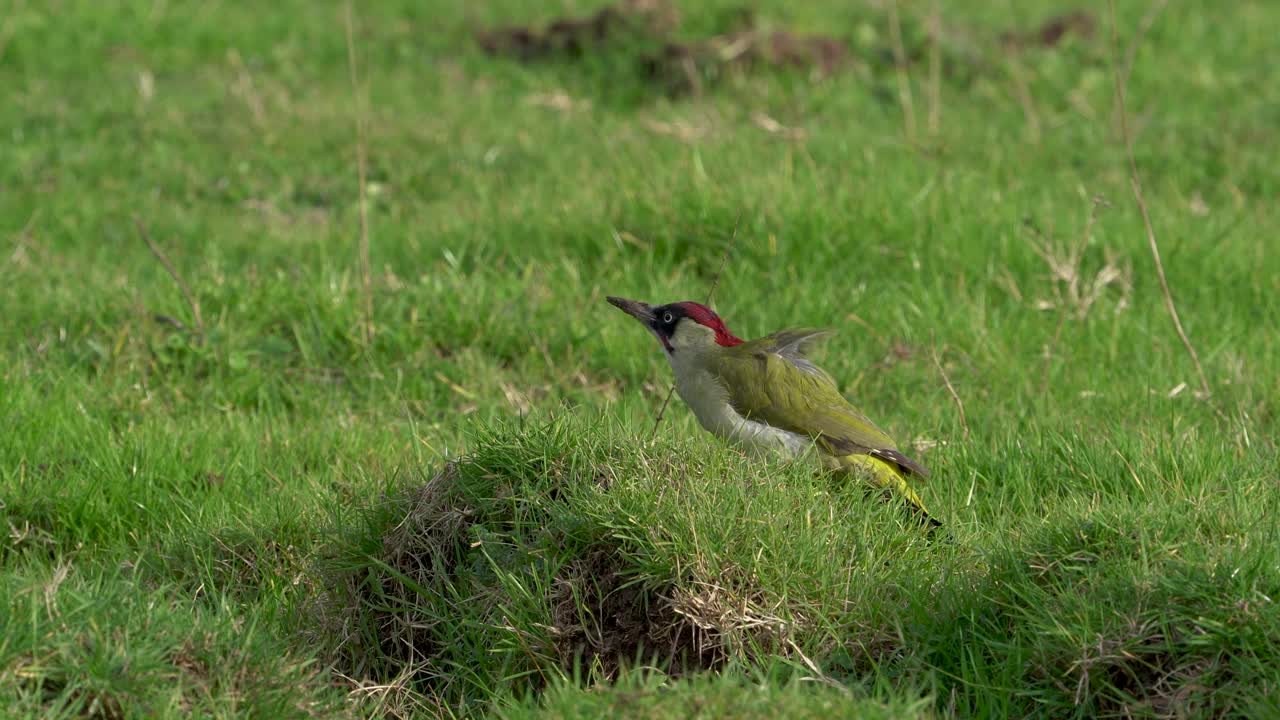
(275, 515)
(709, 696)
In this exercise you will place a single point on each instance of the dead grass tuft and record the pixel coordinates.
(605, 620)
(368, 614)
(733, 620)
(421, 551)
(1076, 289)
(386, 617)
(1138, 671)
(396, 698)
(98, 705)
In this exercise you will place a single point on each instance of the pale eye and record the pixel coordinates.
(668, 318)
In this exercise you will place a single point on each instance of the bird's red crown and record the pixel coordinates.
(704, 315)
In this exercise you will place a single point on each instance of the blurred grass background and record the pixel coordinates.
(187, 504)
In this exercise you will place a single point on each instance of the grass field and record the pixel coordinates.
(429, 486)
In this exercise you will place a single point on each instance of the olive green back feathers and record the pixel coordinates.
(772, 380)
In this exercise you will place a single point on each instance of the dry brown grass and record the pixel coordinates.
(1076, 289)
(360, 97)
(1135, 182)
(606, 621)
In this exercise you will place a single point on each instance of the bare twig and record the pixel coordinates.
(904, 79)
(964, 423)
(366, 275)
(1024, 97)
(1136, 184)
(935, 69)
(24, 241)
(173, 273)
(715, 282)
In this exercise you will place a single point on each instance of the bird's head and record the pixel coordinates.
(680, 326)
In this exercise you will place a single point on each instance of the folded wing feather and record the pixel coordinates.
(772, 380)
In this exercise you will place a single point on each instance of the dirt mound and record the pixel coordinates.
(605, 620)
(439, 583)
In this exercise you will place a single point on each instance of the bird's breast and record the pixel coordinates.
(708, 398)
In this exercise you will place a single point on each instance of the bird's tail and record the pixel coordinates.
(883, 475)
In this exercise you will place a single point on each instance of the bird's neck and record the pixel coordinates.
(700, 386)
(702, 389)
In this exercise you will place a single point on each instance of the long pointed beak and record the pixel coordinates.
(641, 311)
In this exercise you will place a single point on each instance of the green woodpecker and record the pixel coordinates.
(767, 396)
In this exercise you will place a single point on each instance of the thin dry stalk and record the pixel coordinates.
(7, 27)
(955, 396)
(1136, 184)
(715, 282)
(396, 698)
(818, 675)
(366, 274)
(1028, 103)
(1081, 303)
(1072, 288)
(904, 78)
(24, 241)
(173, 273)
(246, 89)
(1051, 348)
(935, 69)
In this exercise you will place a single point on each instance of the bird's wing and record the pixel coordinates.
(794, 345)
(772, 380)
